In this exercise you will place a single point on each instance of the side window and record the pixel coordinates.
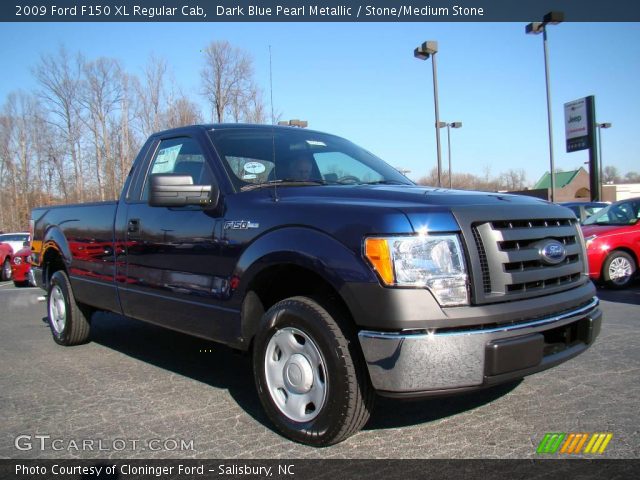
(337, 165)
(182, 156)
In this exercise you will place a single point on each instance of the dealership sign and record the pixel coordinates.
(577, 124)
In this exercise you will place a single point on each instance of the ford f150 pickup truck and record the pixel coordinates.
(340, 276)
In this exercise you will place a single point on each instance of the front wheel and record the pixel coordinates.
(619, 269)
(6, 270)
(310, 374)
(69, 322)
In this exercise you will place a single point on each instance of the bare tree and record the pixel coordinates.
(610, 175)
(151, 95)
(59, 78)
(181, 112)
(227, 79)
(101, 97)
(513, 179)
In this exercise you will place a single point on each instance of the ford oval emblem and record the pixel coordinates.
(552, 252)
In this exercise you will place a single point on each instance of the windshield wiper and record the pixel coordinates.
(283, 182)
(384, 182)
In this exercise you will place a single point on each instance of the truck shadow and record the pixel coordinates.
(630, 295)
(222, 368)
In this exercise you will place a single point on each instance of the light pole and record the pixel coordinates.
(551, 18)
(600, 127)
(424, 51)
(449, 127)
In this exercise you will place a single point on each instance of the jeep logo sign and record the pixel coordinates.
(552, 252)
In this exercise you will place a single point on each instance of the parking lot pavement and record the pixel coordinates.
(138, 391)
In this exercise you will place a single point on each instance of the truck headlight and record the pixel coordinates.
(433, 261)
(17, 260)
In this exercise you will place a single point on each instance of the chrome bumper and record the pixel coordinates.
(423, 362)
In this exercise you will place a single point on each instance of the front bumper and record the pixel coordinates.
(423, 363)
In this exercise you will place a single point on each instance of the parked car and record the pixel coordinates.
(613, 243)
(584, 210)
(16, 240)
(21, 268)
(6, 252)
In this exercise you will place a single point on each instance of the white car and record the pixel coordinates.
(16, 240)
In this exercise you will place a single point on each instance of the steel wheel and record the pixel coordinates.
(57, 310)
(296, 374)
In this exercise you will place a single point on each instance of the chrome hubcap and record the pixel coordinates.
(7, 270)
(296, 374)
(620, 270)
(57, 309)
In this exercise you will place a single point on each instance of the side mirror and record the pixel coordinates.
(177, 190)
(26, 243)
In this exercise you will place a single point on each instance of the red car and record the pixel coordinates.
(612, 236)
(6, 252)
(21, 268)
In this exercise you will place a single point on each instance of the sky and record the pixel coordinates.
(361, 81)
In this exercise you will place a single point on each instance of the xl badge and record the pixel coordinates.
(552, 252)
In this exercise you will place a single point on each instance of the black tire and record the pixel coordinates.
(20, 284)
(5, 274)
(348, 396)
(69, 322)
(619, 262)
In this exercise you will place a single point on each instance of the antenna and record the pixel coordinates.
(273, 133)
(273, 120)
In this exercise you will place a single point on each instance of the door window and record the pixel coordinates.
(180, 156)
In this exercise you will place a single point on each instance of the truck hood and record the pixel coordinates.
(403, 196)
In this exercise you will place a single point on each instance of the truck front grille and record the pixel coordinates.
(511, 266)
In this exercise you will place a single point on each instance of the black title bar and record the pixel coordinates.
(315, 10)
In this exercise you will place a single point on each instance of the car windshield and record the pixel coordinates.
(14, 237)
(255, 157)
(624, 212)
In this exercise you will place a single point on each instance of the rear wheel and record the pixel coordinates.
(6, 270)
(310, 374)
(69, 322)
(619, 269)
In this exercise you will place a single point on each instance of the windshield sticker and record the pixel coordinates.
(249, 176)
(254, 168)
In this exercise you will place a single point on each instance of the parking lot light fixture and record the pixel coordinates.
(551, 18)
(423, 52)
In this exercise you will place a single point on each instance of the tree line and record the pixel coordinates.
(511, 180)
(74, 137)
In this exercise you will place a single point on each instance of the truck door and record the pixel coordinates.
(173, 277)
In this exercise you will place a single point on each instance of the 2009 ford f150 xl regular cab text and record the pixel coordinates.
(338, 275)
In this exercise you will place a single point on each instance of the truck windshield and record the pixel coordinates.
(287, 156)
(625, 212)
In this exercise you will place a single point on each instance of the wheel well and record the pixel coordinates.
(283, 281)
(51, 263)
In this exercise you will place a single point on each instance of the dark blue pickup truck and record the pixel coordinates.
(341, 277)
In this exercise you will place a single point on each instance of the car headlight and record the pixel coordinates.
(433, 261)
(17, 260)
(589, 240)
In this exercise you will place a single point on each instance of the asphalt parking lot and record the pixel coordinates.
(138, 391)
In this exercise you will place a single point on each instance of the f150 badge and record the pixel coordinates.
(240, 225)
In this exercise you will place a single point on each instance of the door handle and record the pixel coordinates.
(133, 226)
